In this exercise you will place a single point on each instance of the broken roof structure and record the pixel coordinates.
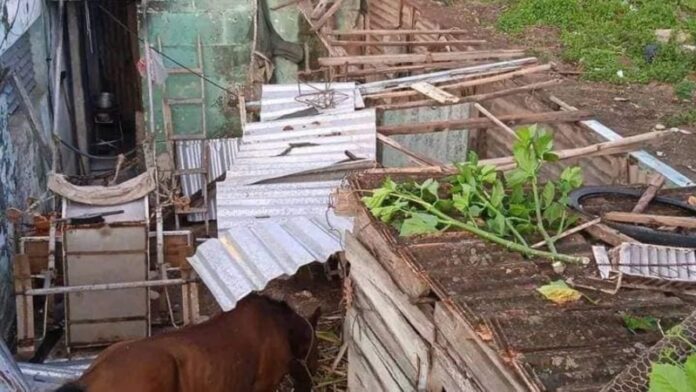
(268, 229)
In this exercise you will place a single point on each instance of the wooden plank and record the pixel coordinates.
(78, 86)
(486, 366)
(366, 264)
(24, 306)
(571, 231)
(651, 220)
(656, 182)
(495, 120)
(380, 59)
(472, 98)
(435, 93)
(327, 15)
(385, 319)
(406, 43)
(412, 155)
(359, 33)
(496, 76)
(607, 234)
(376, 355)
(642, 156)
(360, 375)
(408, 280)
(482, 122)
(445, 374)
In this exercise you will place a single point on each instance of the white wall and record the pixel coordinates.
(21, 14)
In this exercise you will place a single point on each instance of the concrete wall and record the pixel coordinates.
(225, 31)
(446, 147)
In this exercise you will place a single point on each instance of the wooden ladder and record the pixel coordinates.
(172, 139)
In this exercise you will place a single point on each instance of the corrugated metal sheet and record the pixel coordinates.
(245, 258)
(188, 154)
(10, 377)
(272, 229)
(278, 100)
(275, 148)
(50, 376)
(652, 261)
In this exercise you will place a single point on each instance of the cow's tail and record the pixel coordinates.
(71, 387)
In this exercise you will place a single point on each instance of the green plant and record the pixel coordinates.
(609, 38)
(685, 89)
(477, 199)
(687, 117)
(668, 374)
(636, 324)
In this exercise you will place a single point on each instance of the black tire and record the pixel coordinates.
(640, 233)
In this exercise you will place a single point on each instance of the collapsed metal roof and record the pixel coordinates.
(278, 100)
(270, 227)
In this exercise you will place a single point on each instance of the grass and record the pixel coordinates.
(610, 37)
(685, 118)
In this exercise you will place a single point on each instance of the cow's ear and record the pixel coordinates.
(314, 318)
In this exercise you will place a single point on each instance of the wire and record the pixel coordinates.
(200, 75)
(97, 157)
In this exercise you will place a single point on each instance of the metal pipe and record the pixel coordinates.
(106, 286)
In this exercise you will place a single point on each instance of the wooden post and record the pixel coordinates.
(189, 295)
(25, 306)
(656, 182)
(78, 85)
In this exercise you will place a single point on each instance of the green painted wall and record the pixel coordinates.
(225, 29)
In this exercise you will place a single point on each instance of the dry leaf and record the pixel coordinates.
(559, 292)
(692, 201)
(484, 333)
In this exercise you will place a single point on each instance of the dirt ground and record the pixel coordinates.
(627, 109)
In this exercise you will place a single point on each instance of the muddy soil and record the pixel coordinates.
(627, 109)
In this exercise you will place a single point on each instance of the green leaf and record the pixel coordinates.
(548, 194)
(475, 211)
(517, 195)
(669, 378)
(543, 143)
(572, 176)
(551, 157)
(559, 292)
(519, 210)
(386, 213)
(497, 224)
(553, 213)
(430, 186)
(690, 369)
(419, 223)
(488, 174)
(516, 177)
(473, 157)
(497, 195)
(636, 324)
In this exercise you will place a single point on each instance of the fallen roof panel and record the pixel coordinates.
(245, 258)
(279, 100)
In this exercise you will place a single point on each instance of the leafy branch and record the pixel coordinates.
(477, 199)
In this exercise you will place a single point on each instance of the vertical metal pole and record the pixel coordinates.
(56, 86)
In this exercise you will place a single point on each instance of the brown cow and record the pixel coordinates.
(248, 349)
